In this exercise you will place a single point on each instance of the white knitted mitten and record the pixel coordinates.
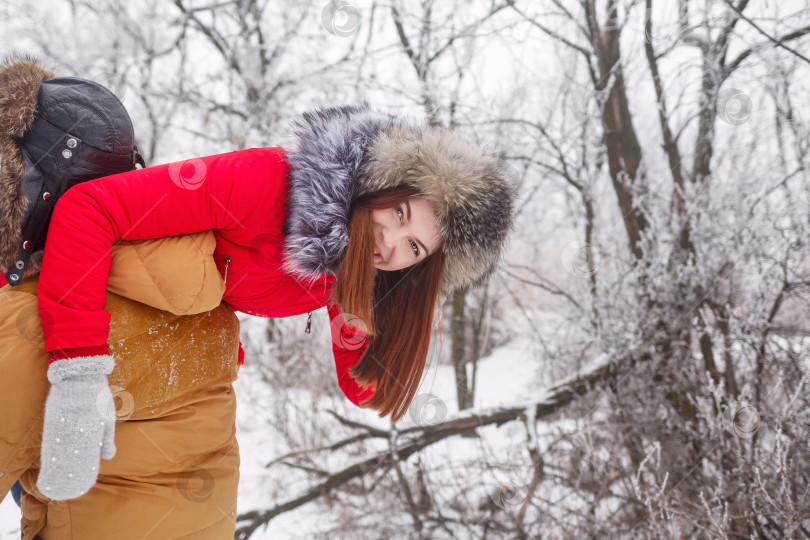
(79, 426)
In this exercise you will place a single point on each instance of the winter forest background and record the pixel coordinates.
(639, 366)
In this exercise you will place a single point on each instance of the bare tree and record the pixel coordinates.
(686, 293)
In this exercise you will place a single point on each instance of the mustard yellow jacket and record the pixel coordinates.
(176, 469)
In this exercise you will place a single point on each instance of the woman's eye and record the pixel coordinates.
(414, 247)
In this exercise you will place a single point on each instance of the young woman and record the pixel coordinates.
(370, 216)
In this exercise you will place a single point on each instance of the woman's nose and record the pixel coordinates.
(387, 238)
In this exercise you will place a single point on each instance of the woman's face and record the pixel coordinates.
(404, 234)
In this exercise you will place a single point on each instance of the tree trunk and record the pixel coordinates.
(459, 351)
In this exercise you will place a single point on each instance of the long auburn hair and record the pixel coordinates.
(394, 309)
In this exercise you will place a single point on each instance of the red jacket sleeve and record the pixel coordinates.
(224, 192)
(347, 347)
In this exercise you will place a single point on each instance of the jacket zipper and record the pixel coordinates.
(225, 280)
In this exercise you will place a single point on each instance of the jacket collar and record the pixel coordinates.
(321, 177)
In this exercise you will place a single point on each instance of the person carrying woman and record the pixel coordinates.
(176, 343)
(370, 215)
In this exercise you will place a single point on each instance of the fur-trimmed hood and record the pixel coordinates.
(322, 184)
(345, 152)
(20, 79)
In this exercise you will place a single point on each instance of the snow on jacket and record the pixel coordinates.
(241, 196)
(176, 347)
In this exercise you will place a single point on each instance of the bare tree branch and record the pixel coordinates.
(417, 438)
(778, 41)
(670, 146)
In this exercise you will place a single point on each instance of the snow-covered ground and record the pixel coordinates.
(9, 519)
(504, 377)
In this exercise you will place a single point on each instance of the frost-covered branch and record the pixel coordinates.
(414, 439)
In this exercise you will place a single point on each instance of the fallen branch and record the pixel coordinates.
(414, 439)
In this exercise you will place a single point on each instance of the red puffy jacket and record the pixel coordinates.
(239, 195)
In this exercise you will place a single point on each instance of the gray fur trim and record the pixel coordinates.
(66, 368)
(349, 151)
(331, 142)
